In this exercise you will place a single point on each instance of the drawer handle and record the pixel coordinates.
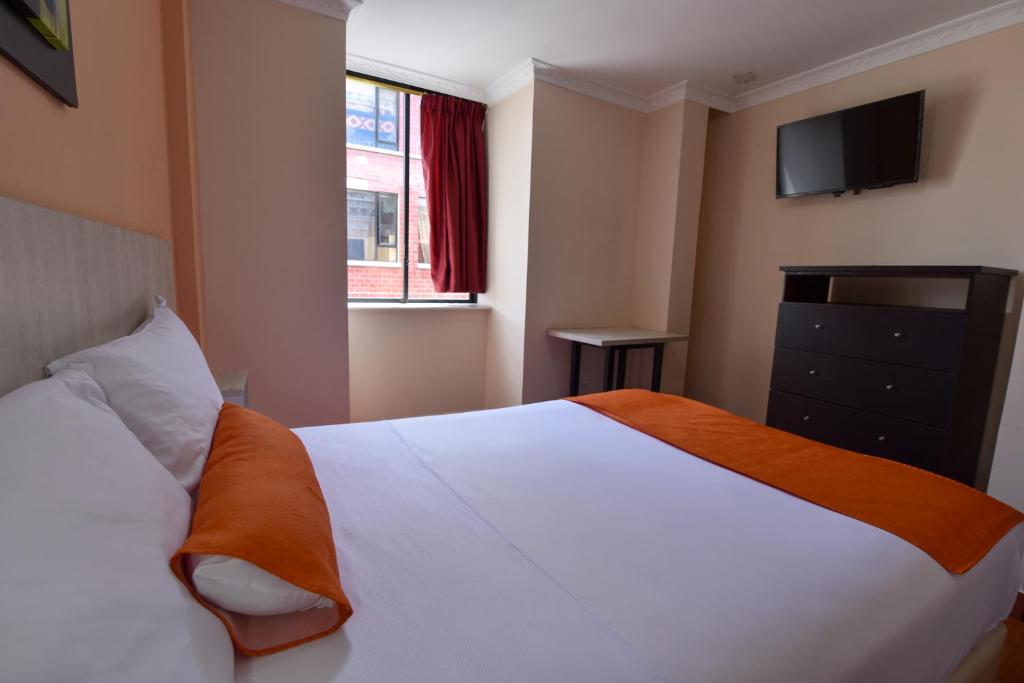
(807, 418)
(819, 326)
(890, 387)
(881, 437)
(812, 372)
(897, 335)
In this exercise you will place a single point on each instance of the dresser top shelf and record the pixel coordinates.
(897, 271)
(932, 310)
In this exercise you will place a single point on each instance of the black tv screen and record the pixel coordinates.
(873, 145)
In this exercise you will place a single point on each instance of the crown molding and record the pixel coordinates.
(336, 9)
(393, 72)
(549, 73)
(712, 97)
(538, 70)
(511, 81)
(955, 31)
(690, 91)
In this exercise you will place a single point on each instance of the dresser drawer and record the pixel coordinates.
(928, 339)
(856, 430)
(895, 390)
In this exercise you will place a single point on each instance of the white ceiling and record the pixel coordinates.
(640, 47)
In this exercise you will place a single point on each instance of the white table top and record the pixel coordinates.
(616, 336)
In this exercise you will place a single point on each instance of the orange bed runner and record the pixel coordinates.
(955, 524)
(260, 501)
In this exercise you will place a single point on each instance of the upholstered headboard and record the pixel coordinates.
(67, 283)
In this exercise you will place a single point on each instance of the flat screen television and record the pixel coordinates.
(873, 145)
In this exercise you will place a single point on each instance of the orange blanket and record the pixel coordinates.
(955, 524)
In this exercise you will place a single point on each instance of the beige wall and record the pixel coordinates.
(416, 361)
(684, 248)
(661, 151)
(270, 115)
(965, 210)
(583, 209)
(509, 154)
(671, 176)
(593, 222)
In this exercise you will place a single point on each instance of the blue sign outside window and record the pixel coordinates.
(371, 116)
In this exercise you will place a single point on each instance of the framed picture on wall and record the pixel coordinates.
(51, 19)
(36, 36)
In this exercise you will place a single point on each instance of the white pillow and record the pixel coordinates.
(88, 523)
(157, 380)
(240, 586)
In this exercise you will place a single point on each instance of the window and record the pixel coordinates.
(387, 220)
(388, 247)
(371, 115)
(372, 226)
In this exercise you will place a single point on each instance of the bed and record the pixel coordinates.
(547, 542)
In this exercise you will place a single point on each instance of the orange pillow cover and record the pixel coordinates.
(260, 501)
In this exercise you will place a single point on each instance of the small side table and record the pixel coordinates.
(234, 386)
(616, 342)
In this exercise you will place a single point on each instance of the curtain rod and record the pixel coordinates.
(400, 87)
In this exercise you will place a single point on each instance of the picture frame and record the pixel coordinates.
(36, 36)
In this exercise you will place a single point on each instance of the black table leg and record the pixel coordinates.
(659, 353)
(609, 367)
(620, 381)
(574, 369)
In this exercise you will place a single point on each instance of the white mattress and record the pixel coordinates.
(549, 543)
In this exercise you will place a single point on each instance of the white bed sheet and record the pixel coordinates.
(549, 543)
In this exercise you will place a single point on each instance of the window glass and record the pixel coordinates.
(387, 222)
(360, 113)
(362, 221)
(387, 118)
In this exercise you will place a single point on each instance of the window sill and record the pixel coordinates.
(392, 306)
(375, 264)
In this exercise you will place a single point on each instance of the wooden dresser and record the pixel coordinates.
(906, 383)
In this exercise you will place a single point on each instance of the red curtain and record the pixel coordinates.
(455, 173)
